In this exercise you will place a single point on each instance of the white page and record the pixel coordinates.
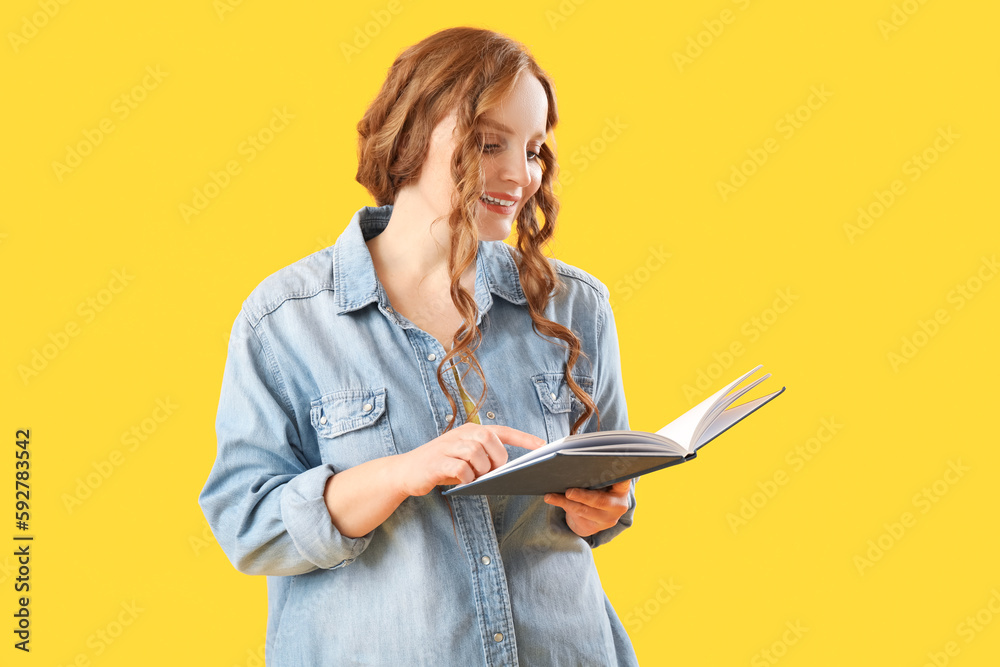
(633, 448)
(733, 415)
(682, 430)
(602, 439)
(724, 403)
(579, 440)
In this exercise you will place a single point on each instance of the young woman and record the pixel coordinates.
(419, 351)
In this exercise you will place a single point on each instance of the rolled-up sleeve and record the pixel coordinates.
(610, 399)
(266, 508)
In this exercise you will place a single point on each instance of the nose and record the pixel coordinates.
(515, 169)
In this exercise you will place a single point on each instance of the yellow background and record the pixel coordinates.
(693, 586)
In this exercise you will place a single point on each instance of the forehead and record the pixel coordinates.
(522, 112)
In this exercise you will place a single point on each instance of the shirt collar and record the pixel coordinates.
(356, 283)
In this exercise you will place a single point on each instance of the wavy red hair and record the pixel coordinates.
(470, 70)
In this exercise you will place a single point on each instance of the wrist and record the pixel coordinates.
(395, 470)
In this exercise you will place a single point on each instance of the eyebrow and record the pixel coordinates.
(504, 128)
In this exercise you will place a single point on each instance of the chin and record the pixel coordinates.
(494, 231)
(495, 228)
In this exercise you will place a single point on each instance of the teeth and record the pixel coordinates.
(492, 200)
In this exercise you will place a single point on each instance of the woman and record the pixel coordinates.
(349, 371)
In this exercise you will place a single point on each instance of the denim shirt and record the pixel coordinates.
(322, 374)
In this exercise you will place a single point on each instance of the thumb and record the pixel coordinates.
(622, 487)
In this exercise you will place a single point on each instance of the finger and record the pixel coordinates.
(618, 489)
(494, 449)
(580, 510)
(512, 436)
(472, 450)
(599, 499)
(621, 488)
(557, 499)
(456, 469)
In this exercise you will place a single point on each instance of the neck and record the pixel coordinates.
(416, 243)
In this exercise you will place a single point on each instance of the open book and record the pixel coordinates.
(596, 460)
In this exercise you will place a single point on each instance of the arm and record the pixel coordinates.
(359, 499)
(264, 505)
(272, 515)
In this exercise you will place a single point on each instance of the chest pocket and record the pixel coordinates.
(352, 426)
(560, 406)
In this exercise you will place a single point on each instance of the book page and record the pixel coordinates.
(683, 429)
(724, 403)
(731, 416)
(615, 441)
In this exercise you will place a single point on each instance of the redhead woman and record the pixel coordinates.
(419, 351)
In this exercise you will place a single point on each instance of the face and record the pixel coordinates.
(512, 135)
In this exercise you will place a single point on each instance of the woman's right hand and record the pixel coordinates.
(459, 456)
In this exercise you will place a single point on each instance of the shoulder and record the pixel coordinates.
(581, 300)
(577, 279)
(303, 279)
(573, 280)
(579, 288)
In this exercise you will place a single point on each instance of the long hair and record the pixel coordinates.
(469, 70)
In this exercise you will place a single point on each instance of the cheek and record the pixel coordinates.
(536, 180)
(529, 192)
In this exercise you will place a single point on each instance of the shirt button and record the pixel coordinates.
(322, 420)
(485, 560)
(389, 308)
(490, 415)
(552, 396)
(449, 417)
(498, 637)
(431, 357)
(367, 407)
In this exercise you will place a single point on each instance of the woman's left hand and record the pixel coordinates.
(589, 512)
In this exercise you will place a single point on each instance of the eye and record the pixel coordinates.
(532, 155)
(489, 148)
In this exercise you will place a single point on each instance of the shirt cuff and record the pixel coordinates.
(307, 520)
(625, 521)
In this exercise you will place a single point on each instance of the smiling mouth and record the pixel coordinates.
(496, 201)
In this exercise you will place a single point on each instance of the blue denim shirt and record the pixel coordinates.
(322, 374)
